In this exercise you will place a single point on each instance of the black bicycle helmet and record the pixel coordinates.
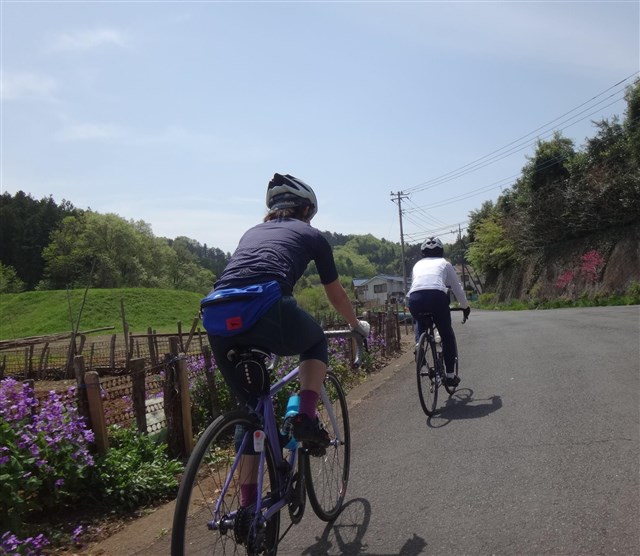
(286, 191)
(432, 247)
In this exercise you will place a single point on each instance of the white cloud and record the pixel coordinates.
(26, 85)
(90, 132)
(169, 136)
(213, 147)
(87, 40)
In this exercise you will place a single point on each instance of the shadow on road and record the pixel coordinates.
(462, 405)
(345, 535)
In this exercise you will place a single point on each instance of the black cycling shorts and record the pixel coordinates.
(285, 329)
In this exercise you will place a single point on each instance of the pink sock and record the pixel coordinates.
(248, 494)
(308, 402)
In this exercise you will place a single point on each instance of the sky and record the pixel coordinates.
(179, 113)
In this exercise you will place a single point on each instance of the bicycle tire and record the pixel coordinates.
(427, 374)
(327, 476)
(452, 389)
(202, 481)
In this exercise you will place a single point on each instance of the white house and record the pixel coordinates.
(376, 291)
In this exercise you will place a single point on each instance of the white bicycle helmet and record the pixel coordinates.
(431, 245)
(286, 191)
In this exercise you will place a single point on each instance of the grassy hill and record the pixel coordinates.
(49, 312)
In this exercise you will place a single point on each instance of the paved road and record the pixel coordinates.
(537, 453)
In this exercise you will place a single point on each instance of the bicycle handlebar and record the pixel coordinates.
(349, 334)
(464, 319)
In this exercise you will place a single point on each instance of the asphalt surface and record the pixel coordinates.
(537, 453)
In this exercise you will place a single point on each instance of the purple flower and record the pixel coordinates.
(77, 532)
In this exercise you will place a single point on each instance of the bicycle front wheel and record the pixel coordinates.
(327, 475)
(207, 517)
(427, 375)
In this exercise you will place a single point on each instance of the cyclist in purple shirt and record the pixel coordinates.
(279, 249)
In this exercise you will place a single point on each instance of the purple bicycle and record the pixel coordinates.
(208, 518)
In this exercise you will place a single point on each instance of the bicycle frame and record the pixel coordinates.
(244, 471)
(266, 414)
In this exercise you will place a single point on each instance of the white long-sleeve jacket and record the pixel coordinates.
(436, 273)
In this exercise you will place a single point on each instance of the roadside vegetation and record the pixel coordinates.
(488, 301)
(53, 489)
(55, 492)
(38, 313)
(563, 193)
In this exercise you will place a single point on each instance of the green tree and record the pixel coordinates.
(107, 251)
(492, 250)
(351, 264)
(383, 254)
(632, 120)
(313, 300)
(67, 260)
(486, 210)
(546, 178)
(604, 188)
(9, 280)
(25, 227)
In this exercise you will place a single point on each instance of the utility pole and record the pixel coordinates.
(464, 277)
(398, 197)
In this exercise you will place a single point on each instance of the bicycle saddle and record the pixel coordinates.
(252, 368)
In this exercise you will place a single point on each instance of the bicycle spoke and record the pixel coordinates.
(208, 518)
(427, 376)
(327, 475)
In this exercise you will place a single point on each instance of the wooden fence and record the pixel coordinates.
(151, 390)
(52, 357)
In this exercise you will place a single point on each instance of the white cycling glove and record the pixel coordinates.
(362, 328)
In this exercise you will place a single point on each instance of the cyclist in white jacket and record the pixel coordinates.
(431, 277)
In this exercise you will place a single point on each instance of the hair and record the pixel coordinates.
(433, 253)
(290, 212)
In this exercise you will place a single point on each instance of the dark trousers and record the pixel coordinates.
(435, 302)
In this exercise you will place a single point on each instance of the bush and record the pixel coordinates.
(135, 471)
(633, 293)
(44, 455)
(486, 299)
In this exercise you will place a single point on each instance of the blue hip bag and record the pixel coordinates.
(231, 311)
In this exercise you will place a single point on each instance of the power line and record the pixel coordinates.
(518, 144)
(446, 230)
(517, 148)
(426, 217)
(494, 185)
(418, 216)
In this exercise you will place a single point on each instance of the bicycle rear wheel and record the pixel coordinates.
(427, 375)
(451, 389)
(327, 476)
(198, 528)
